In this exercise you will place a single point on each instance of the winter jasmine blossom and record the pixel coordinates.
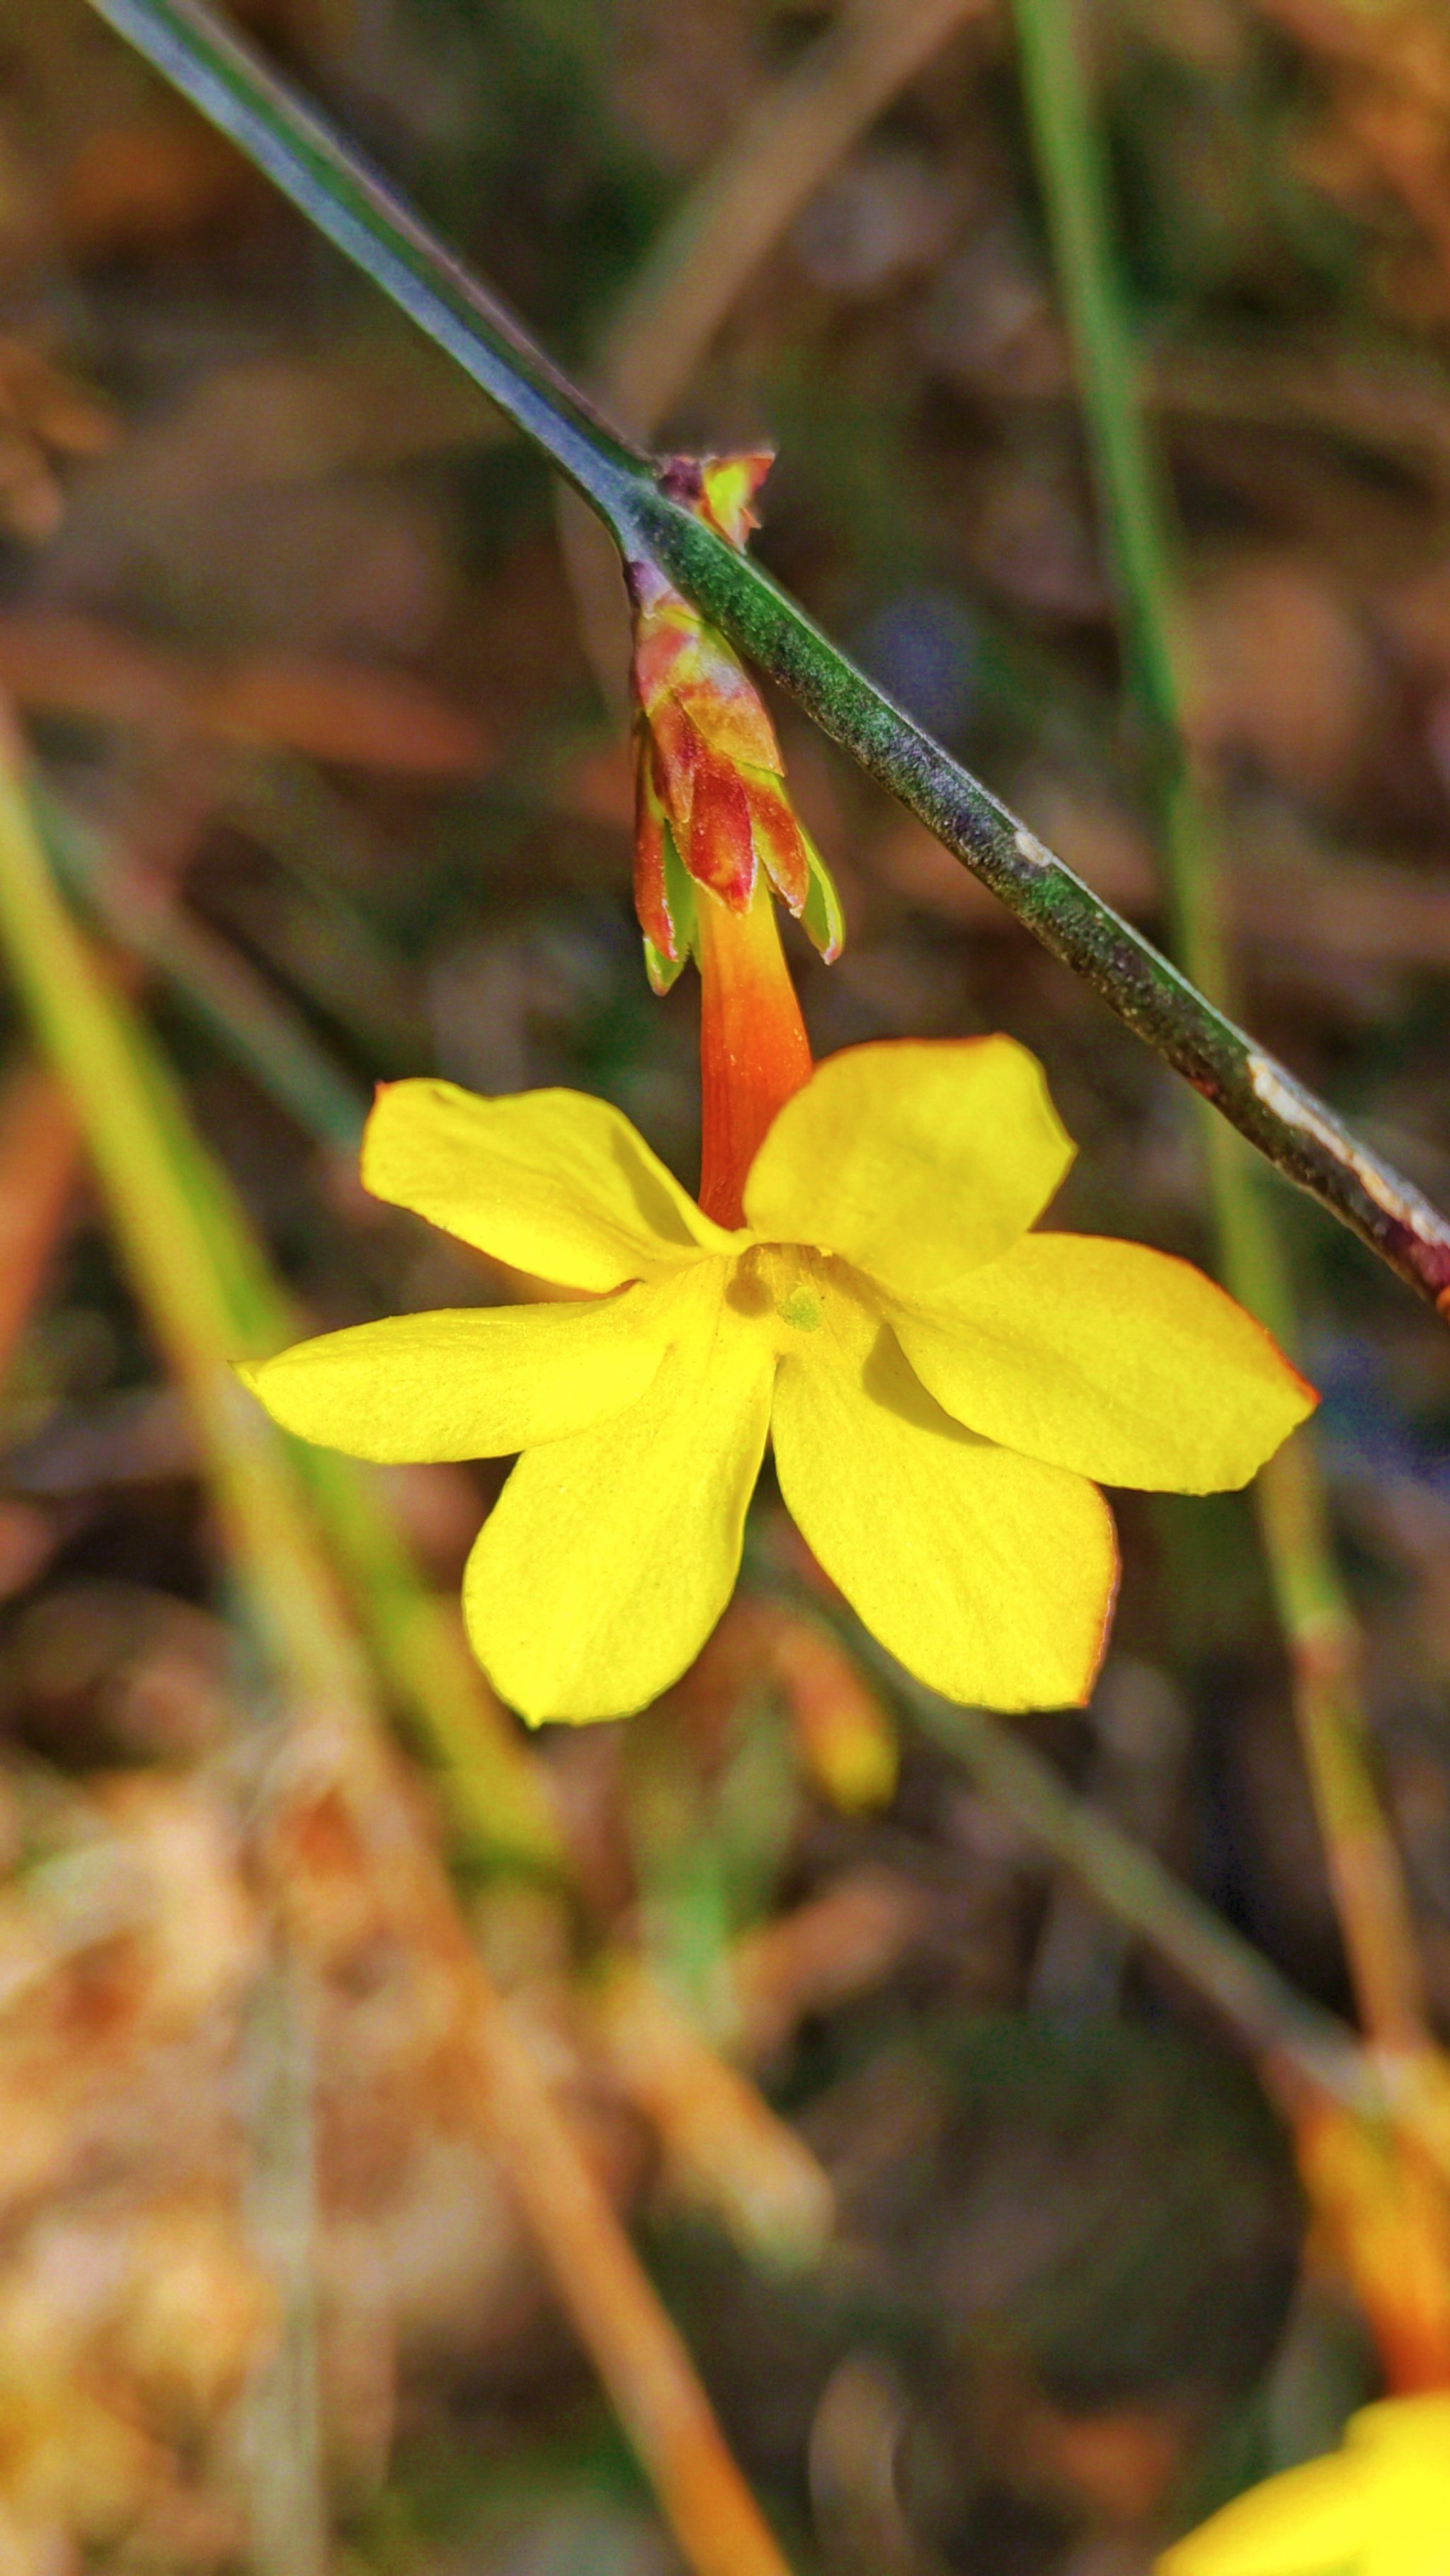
(941, 1385)
(858, 1285)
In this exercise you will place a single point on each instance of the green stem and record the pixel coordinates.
(1315, 1613)
(325, 177)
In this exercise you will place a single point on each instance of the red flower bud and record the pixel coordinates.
(711, 801)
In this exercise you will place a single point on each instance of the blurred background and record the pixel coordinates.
(992, 2246)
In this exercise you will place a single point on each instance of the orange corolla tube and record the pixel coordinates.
(754, 1053)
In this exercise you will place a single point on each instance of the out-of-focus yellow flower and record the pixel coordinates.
(1378, 2507)
(939, 1384)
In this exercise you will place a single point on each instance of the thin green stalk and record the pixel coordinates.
(337, 191)
(1314, 1611)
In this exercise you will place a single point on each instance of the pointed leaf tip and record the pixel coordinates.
(821, 915)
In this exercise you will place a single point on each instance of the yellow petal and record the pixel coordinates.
(1412, 2427)
(1404, 2445)
(990, 1576)
(1314, 2521)
(468, 1382)
(914, 1160)
(608, 1558)
(1105, 1357)
(551, 1182)
(1410, 2526)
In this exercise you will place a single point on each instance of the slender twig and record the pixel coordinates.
(326, 178)
(368, 220)
(197, 1307)
(1316, 1615)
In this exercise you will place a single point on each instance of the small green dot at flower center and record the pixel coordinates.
(800, 1310)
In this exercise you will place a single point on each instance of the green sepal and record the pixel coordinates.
(680, 898)
(663, 971)
(821, 915)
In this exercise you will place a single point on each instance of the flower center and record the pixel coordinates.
(801, 1310)
(778, 1279)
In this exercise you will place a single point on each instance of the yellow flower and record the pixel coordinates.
(938, 1383)
(1379, 2507)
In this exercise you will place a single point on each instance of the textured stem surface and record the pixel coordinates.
(338, 192)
